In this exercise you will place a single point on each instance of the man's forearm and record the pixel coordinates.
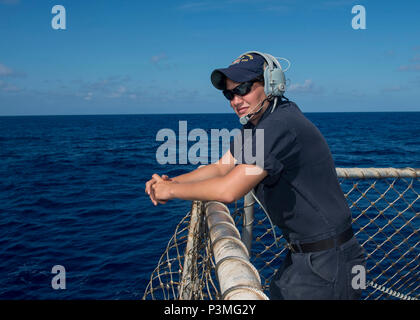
(226, 188)
(202, 173)
(204, 190)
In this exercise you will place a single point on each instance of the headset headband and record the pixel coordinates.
(271, 61)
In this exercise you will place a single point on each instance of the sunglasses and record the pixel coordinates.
(241, 90)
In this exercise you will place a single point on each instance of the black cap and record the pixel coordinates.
(245, 68)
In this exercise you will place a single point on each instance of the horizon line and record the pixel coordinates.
(182, 113)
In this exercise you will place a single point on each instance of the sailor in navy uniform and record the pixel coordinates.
(297, 184)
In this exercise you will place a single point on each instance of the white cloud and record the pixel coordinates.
(118, 92)
(158, 58)
(88, 96)
(5, 71)
(416, 58)
(7, 87)
(307, 87)
(410, 67)
(160, 61)
(113, 87)
(396, 88)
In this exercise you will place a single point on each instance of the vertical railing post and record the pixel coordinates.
(248, 221)
(189, 273)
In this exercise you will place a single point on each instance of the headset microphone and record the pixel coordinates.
(245, 119)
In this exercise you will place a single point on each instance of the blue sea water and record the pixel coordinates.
(72, 193)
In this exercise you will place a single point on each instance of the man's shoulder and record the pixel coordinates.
(288, 106)
(282, 114)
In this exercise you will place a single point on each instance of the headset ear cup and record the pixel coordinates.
(278, 82)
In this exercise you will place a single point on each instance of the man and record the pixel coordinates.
(296, 182)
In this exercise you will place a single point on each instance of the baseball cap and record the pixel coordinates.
(245, 68)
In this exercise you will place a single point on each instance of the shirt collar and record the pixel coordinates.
(266, 113)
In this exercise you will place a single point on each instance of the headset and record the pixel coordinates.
(274, 82)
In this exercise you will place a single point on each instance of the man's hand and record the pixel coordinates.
(155, 178)
(149, 187)
(162, 191)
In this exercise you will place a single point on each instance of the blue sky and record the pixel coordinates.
(119, 57)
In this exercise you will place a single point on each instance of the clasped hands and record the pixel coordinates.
(159, 189)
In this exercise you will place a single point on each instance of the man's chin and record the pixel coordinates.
(243, 113)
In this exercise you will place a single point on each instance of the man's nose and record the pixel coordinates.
(236, 101)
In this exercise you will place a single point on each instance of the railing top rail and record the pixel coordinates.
(378, 173)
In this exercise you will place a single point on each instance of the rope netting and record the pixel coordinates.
(385, 211)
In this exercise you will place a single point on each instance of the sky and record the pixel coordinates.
(149, 57)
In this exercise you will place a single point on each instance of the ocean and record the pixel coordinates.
(72, 193)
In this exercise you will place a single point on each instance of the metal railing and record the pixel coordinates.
(385, 211)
